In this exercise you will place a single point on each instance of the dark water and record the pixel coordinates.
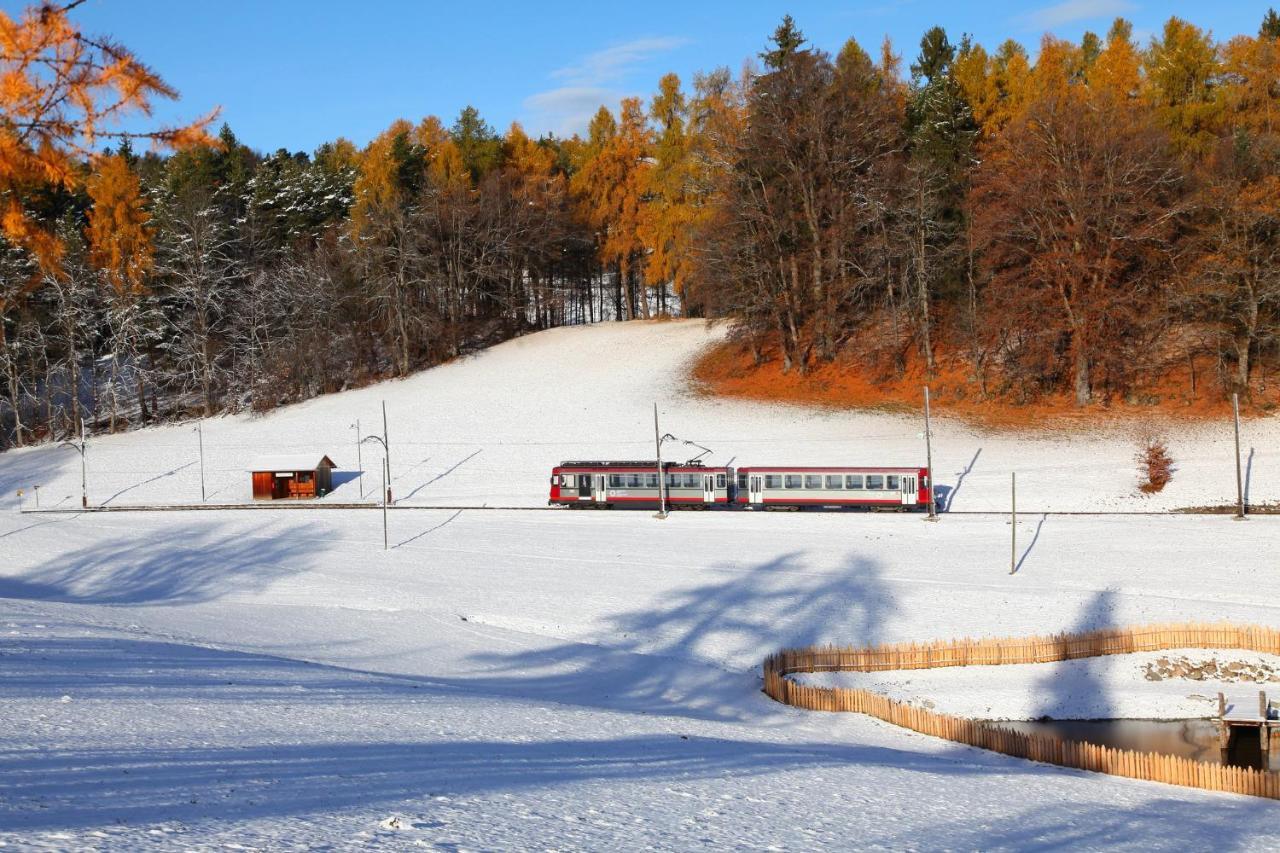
(1195, 739)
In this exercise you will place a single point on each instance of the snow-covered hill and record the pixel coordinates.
(487, 429)
(507, 679)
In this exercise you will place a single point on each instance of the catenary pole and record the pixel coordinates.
(657, 441)
(928, 457)
(1013, 521)
(359, 457)
(84, 474)
(386, 442)
(1240, 509)
(200, 438)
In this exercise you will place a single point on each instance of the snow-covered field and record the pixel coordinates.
(487, 429)
(505, 679)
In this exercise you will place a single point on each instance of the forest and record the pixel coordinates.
(1088, 223)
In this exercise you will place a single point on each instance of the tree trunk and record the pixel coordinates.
(922, 285)
(638, 287)
(1243, 366)
(1084, 392)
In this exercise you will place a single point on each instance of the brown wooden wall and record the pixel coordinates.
(263, 483)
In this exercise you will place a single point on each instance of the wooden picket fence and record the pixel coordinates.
(1081, 755)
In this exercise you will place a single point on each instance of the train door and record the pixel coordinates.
(709, 488)
(599, 494)
(755, 489)
(909, 493)
(584, 487)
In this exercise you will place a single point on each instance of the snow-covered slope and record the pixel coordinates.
(487, 429)
(507, 679)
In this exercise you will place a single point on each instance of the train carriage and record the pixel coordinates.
(796, 487)
(604, 484)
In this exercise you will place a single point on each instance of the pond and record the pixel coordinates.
(1194, 739)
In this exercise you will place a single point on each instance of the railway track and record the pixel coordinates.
(296, 507)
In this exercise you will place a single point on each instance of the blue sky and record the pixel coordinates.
(293, 74)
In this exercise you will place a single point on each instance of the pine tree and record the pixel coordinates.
(942, 133)
(1181, 72)
(479, 145)
(1270, 28)
(787, 40)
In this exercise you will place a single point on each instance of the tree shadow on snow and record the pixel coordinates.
(1161, 823)
(675, 656)
(38, 466)
(65, 785)
(182, 564)
(1066, 683)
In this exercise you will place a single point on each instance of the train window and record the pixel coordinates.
(673, 481)
(564, 480)
(633, 481)
(720, 481)
(853, 481)
(615, 481)
(835, 481)
(892, 482)
(651, 481)
(792, 481)
(875, 481)
(813, 481)
(773, 481)
(742, 482)
(691, 481)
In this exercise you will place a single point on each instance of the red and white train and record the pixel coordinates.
(605, 485)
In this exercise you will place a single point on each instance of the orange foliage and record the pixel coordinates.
(61, 92)
(119, 238)
(851, 382)
(613, 182)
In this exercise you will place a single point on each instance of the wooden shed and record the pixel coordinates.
(281, 477)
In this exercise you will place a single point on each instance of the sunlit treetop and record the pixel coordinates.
(62, 93)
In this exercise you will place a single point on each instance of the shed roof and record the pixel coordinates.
(293, 462)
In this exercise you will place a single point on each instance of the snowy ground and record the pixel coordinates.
(1100, 688)
(504, 679)
(488, 429)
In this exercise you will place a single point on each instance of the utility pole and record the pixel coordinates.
(386, 473)
(84, 477)
(1240, 509)
(386, 444)
(657, 441)
(928, 457)
(1013, 521)
(200, 436)
(386, 486)
(359, 458)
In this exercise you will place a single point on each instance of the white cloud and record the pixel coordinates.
(615, 62)
(568, 109)
(1071, 11)
(597, 79)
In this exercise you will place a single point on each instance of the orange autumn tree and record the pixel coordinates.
(119, 235)
(666, 218)
(612, 185)
(61, 93)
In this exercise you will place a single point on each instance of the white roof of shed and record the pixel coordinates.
(286, 462)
